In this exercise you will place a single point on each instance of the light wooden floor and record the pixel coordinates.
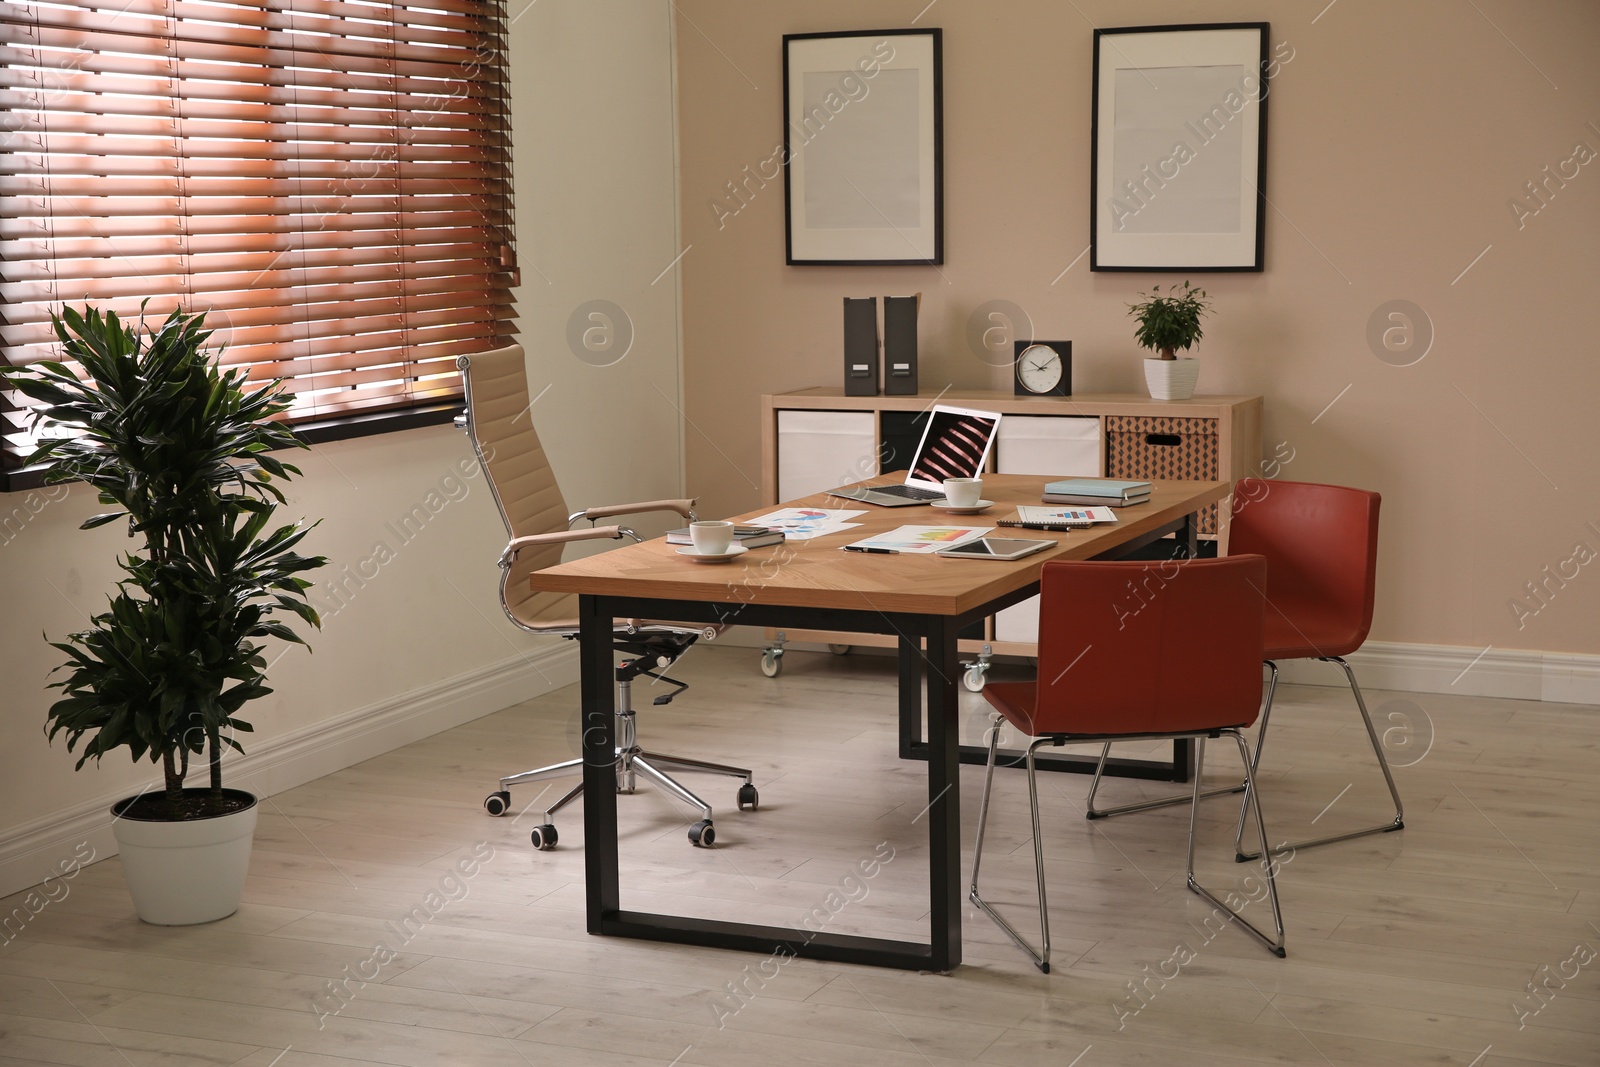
(1409, 948)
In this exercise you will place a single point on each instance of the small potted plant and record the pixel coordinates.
(1166, 324)
(180, 448)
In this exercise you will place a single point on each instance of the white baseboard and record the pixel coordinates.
(1516, 674)
(30, 852)
(1556, 677)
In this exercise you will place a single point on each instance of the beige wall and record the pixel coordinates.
(595, 181)
(1398, 133)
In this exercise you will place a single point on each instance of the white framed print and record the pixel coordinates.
(1178, 148)
(863, 148)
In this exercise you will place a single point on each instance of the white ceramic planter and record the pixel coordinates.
(182, 873)
(1171, 379)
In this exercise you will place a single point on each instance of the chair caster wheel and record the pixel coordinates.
(972, 680)
(703, 834)
(749, 799)
(839, 650)
(544, 837)
(772, 663)
(497, 803)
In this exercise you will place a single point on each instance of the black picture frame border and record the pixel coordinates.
(937, 34)
(1259, 265)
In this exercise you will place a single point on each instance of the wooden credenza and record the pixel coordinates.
(816, 439)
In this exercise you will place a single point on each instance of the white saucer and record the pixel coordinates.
(712, 557)
(953, 509)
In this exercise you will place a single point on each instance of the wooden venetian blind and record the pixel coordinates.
(328, 179)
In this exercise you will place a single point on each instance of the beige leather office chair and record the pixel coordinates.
(499, 421)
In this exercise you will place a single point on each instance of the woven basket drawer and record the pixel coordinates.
(1164, 448)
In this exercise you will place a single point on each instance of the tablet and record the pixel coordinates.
(996, 548)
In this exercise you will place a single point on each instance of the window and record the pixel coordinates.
(330, 180)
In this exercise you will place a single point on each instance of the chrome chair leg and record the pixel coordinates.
(983, 805)
(1040, 957)
(662, 781)
(1092, 812)
(566, 798)
(1397, 823)
(1268, 864)
(679, 763)
(557, 770)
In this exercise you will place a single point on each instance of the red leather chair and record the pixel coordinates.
(1321, 543)
(1187, 665)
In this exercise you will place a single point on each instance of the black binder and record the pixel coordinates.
(861, 346)
(900, 344)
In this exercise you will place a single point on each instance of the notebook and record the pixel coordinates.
(1096, 491)
(955, 444)
(1059, 518)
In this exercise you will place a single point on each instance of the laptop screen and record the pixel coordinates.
(956, 444)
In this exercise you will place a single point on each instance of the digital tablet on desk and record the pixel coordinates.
(996, 548)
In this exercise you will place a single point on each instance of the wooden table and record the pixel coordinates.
(922, 600)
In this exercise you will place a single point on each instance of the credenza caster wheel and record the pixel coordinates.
(772, 662)
(972, 680)
(703, 834)
(749, 799)
(839, 650)
(544, 837)
(497, 803)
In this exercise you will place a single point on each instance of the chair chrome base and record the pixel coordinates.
(1041, 955)
(631, 761)
(1397, 823)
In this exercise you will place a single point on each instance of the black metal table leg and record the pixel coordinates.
(598, 708)
(605, 915)
(944, 794)
(910, 694)
(1189, 536)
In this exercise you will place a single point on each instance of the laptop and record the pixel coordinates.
(955, 444)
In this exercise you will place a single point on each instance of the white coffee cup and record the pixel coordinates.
(963, 492)
(712, 537)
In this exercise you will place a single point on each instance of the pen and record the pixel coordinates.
(875, 551)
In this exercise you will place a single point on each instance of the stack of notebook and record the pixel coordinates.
(1091, 491)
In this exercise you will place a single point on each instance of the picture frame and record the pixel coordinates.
(1178, 148)
(863, 148)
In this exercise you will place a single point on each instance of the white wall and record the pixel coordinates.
(416, 642)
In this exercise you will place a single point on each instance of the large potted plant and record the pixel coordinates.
(1167, 324)
(181, 449)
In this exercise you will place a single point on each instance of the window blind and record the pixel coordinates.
(330, 180)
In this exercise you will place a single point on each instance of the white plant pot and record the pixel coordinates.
(182, 873)
(1171, 379)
